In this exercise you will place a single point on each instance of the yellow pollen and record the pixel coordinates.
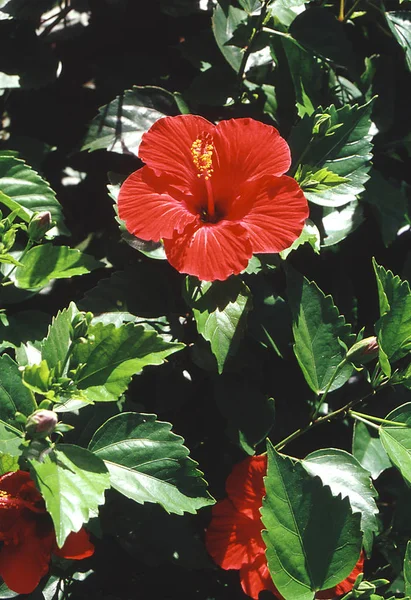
(202, 152)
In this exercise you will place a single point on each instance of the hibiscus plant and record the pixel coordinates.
(205, 305)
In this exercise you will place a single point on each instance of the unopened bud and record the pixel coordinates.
(39, 225)
(41, 423)
(80, 324)
(364, 351)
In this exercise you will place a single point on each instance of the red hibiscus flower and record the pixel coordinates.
(215, 194)
(27, 537)
(233, 537)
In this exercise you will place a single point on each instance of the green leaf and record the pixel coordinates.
(341, 144)
(120, 124)
(8, 462)
(317, 180)
(389, 202)
(226, 19)
(407, 569)
(14, 396)
(396, 439)
(112, 355)
(369, 451)
(43, 263)
(26, 325)
(338, 223)
(149, 463)
(399, 22)
(313, 539)
(10, 440)
(393, 328)
(58, 341)
(318, 328)
(72, 481)
(346, 477)
(24, 189)
(309, 234)
(37, 377)
(220, 310)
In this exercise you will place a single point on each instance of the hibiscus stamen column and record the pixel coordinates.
(202, 153)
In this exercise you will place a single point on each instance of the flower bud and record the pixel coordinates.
(41, 423)
(39, 225)
(364, 351)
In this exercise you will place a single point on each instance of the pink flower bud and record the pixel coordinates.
(364, 351)
(39, 225)
(42, 422)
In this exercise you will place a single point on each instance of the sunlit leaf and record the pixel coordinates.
(396, 439)
(399, 22)
(369, 451)
(14, 396)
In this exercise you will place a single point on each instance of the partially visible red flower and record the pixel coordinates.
(27, 537)
(216, 194)
(233, 537)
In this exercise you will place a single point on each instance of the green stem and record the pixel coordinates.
(13, 429)
(293, 170)
(369, 418)
(338, 369)
(366, 421)
(350, 11)
(29, 245)
(256, 31)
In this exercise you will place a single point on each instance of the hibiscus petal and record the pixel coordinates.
(166, 147)
(210, 251)
(76, 546)
(245, 484)
(255, 578)
(276, 215)
(148, 210)
(24, 563)
(231, 538)
(246, 149)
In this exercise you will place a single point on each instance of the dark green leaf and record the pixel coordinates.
(318, 327)
(27, 325)
(393, 328)
(72, 481)
(112, 355)
(149, 463)
(24, 187)
(396, 439)
(14, 396)
(342, 144)
(369, 451)
(226, 19)
(346, 477)
(338, 223)
(10, 440)
(407, 569)
(121, 123)
(43, 263)
(313, 539)
(399, 22)
(220, 309)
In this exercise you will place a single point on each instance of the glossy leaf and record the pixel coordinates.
(342, 144)
(393, 328)
(346, 477)
(72, 481)
(310, 235)
(226, 19)
(113, 354)
(318, 327)
(220, 310)
(44, 263)
(57, 343)
(14, 395)
(149, 463)
(313, 539)
(338, 223)
(369, 451)
(32, 193)
(396, 439)
(399, 22)
(121, 123)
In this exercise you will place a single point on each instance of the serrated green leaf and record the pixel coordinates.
(318, 327)
(113, 354)
(220, 309)
(57, 343)
(315, 180)
(226, 19)
(343, 147)
(396, 439)
(346, 477)
(72, 481)
(14, 396)
(37, 377)
(121, 123)
(393, 328)
(149, 463)
(369, 451)
(399, 22)
(30, 192)
(310, 235)
(389, 202)
(313, 539)
(43, 263)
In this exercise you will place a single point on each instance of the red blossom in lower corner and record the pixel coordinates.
(234, 539)
(27, 537)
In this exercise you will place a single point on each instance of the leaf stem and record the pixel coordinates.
(337, 371)
(368, 418)
(13, 429)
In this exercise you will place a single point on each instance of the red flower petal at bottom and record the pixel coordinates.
(22, 565)
(210, 251)
(76, 546)
(255, 577)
